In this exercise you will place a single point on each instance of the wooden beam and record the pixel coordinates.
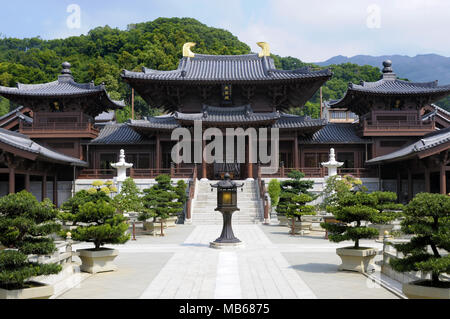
(427, 180)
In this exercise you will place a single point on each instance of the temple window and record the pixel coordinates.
(106, 159)
(348, 158)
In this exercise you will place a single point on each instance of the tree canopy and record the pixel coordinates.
(104, 52)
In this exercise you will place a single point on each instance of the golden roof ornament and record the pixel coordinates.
(187, 50)
(265, 49)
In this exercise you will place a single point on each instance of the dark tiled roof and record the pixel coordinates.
(335, 133)
(439, 112)
(119, 134)
(65, 86)
(231, 68)
(165, 122)
(428, 141)
(24, 143)
(389, 85)
(239, 114)
(106, 116)
(288, 121)
(11, 113)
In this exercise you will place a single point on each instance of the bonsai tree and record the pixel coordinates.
(162, 201)
(296, 208)
(351, 209)
(427, 217)
(290, 188)
(25, 226)
(129, 199)
(274, 190)
(102, 225)
(294, 196)
(72, 206)
(387, 206)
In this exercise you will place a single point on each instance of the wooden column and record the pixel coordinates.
(55, 190)
(158, 153)
(44, 187)
(399, 186)
(12, 180)
(410, 185)
(204, 168)
(296, 155)
(443, 179)
(427, 180)
(27, 182)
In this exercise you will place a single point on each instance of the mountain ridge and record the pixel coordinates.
(420, 68)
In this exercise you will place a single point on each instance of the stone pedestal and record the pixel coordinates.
(359, 260)
(95, 261)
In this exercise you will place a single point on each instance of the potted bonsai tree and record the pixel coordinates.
(294, 186)
(388, 209)
(295, 209)
(25, 226)
(161, 201)
(351, 210)
(427, 218)
(101, 225)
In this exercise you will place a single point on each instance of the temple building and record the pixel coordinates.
(388, 132)
(52, 131)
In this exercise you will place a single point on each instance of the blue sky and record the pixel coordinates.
(310, 30)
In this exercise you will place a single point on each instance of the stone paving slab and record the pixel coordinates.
(271, 265)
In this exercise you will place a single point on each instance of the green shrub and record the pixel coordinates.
(274, 190)
(25, 226)
(427, 217)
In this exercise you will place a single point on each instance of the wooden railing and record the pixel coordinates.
(396, 125)
(39, 128)
(97, 174)
(192, 187)
(320, 172)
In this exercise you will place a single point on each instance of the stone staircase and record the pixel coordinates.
(205, 203)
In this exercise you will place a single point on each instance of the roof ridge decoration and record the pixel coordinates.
(388, 73)
(187, 53)
(265, 49)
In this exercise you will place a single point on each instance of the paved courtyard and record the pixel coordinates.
(271, 265)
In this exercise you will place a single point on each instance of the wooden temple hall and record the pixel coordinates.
(65, 132)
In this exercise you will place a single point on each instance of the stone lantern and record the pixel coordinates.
(227, 205)
(121, 168)
(332, 164)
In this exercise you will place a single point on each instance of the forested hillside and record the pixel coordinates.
(104, 52)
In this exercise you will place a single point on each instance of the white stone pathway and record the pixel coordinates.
(258, 270)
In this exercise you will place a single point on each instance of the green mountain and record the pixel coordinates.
(104, 52)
